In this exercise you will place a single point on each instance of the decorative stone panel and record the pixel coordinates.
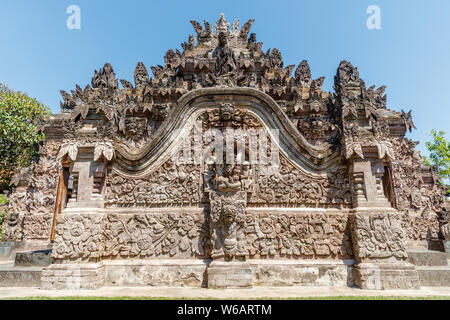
(378, 235)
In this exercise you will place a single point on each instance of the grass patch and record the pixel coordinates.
(293, 298)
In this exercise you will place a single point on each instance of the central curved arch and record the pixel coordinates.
(313, 159)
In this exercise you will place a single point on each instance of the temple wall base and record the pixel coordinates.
(381, 276)
(174, 273)
(199, 273)
(230, 275)
(303, 273)
(73, 276)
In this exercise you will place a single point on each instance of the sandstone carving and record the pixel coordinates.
(140, 171)
(378, 235)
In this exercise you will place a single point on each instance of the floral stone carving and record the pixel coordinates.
(92, 237)
(299, 235)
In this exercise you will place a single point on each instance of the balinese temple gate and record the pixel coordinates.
(135, 185)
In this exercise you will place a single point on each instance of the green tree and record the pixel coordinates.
(20, 116)
(439, 154)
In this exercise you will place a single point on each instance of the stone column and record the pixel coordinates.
(82, 219)
(88, 179)
(379, 242)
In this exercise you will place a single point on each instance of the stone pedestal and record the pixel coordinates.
(389, 275)
(73, 276)
(229, 275)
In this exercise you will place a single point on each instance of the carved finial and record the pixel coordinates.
(221, 25)
(126, 84)
(68, 102)
(347, 72)
(317, 84)
(276, 60)
(303, 73)
(105, 78)
(407, 118)
(197, 27)
(190, 44)
(246, 29)
(235, 27)
(140, 75)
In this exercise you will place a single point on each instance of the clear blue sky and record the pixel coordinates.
(410, 54)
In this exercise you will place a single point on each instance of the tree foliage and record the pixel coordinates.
(439, 154)
(20, 116)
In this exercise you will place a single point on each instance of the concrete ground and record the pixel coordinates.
(202, 293)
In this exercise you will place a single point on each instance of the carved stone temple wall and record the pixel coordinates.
(143, 195)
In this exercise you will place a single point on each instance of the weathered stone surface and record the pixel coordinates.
(12, 276)
(177, 273)
(434, 276)
(73, 276)
(421, 258)
(229, 275)
(386, 275)
(7, 250)
(33, 258)
(302, 273)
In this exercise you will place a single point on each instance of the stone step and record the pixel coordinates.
(11, 276)
(6, 251)
(434, 276)
(33, 258)
(421, 257)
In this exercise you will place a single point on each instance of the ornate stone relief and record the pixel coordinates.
(378, 235)
(299, 235)
(92, 237)
(292, 187)
(168, 185)
(352, 121)
(24, 226)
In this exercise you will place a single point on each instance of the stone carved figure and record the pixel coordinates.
(228, 225)
(225, 65)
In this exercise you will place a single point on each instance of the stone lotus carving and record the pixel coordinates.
(378, 235)
(78, 237)
(70, 149)
(104, 149)
(154, 235)
(92, 237)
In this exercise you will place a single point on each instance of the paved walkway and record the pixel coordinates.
(254, 293)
